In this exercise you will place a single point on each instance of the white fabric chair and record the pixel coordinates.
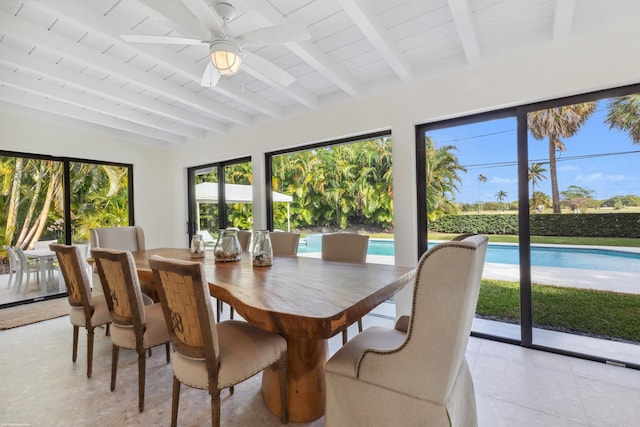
(244, 236)
(415, 374)
(345, 247)
(121, 238)
(284, 243)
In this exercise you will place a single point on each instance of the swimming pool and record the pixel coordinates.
(542, 256)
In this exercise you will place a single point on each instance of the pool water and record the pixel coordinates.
(542, 256)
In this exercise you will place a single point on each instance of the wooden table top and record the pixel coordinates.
(296, 296)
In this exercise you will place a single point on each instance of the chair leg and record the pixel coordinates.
(142, 368)
(359, 325)
(90, 335)
(115, 351)
(167, 347)
(218, 310)
(282, 370)
(76, 329)
(230, 312)
(215, 409)
(175, 402)
(344, 337)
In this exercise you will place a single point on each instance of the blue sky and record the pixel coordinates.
(489, 148)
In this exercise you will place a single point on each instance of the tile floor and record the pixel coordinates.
(40, 386)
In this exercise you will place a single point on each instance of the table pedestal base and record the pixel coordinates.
(305, 380)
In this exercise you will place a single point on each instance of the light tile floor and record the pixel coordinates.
(40, 386)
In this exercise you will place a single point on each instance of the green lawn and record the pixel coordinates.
(593, 312)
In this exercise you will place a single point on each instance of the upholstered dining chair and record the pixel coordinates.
(284, 243)
(345, 247)
(134, 325)
(122, 238)
(244, 236)
(130, 238)
(208, 355)
(88, 310)
(415, 374)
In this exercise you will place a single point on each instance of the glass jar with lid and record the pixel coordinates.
(262, 252)
(227, 246)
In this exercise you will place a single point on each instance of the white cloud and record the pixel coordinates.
(600, 177)
(500, 180)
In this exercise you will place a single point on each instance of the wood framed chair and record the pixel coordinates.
(88, 310)
(284, 243)
(208, 355)
(134, 326)
(415, 374)
(345, 247)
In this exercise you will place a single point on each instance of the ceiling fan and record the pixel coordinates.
(227, 53)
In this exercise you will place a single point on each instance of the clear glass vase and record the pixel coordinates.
(197, 246)
(227, 246)
(262, 252)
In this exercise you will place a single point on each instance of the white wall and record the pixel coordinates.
(52, 136)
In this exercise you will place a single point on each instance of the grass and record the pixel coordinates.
(592, 312)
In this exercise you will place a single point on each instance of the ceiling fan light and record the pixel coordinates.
(225, 57)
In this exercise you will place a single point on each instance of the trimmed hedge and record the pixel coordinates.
(572, 225)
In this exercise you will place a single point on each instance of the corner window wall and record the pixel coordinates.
(341, 186)
(562, 191)
(45, 200)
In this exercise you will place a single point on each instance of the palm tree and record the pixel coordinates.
(624, 114)
(442, 178)
(536, 171)
(556, 123)
(481, 179)
(500, 196)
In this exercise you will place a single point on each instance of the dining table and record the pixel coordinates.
(45, 259)
(306, 300)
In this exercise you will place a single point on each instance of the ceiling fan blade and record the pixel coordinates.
(274, 35)
(205, 14)
(134, 38)
(210, 77)
(265, 70)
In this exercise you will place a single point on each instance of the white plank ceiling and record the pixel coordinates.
(67, 57)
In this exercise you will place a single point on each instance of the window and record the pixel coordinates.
(213, 206)
(49, 199)
(556, 185)
(343, 185)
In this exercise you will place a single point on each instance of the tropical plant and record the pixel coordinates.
(536, 171)
(624, 114)
(481, 179)
(556, 123)
(442, 173)
(500, 196)
(577, 198)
